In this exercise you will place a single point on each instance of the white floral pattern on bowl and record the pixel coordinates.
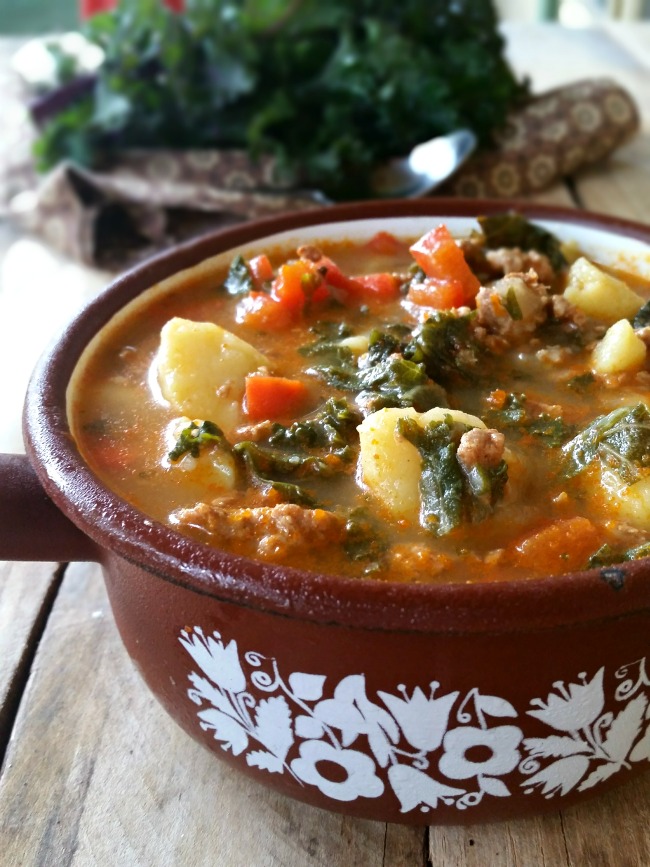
(431, 746)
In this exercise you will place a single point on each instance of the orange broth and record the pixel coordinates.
(536, 517)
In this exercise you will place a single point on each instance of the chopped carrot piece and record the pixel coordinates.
(561, 546)
(258, 310)
(497, 398)
(442, 259)
(274, 397)
(439, 294)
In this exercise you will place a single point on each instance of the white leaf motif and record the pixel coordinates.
(494, 786)
(599, 775)
(308, 687)
(625, 729)
(555, 746)
(265, 761)
(494, 706)
(642, 750)
(273, 725)
(414, 787)
(225, 729)
(204, 690)
(309, 728)
(342, 715)
(352, 713)
(560, 776)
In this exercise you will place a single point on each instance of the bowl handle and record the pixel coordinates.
(31, 526)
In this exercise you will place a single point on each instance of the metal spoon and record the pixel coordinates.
(425, 168)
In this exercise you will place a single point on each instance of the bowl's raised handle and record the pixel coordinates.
(31, 526)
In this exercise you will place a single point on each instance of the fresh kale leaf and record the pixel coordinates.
(195, 437)
(249, 75)
(514, 230)
(620, 440)
(450, 494)
(239, 280)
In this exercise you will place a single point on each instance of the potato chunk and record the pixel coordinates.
(202, 370)
(390, 466)
(600, 294)
(631, 502)
(619, 350)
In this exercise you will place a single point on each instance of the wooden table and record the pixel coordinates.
(95, 773)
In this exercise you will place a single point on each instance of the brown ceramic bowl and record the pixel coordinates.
(398, 702)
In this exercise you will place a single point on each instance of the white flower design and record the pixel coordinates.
(472, 752)
(359, 779)
(596, 744)
(448, 748)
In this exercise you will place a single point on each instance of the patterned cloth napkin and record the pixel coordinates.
(152, 199)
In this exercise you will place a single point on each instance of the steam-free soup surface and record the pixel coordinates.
(424, 410)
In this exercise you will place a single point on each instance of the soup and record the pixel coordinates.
(431, 409)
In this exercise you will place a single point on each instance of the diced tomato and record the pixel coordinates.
(334, 277)
(439, 294)
(274, 397)
(385, 244)
(442, 259)
(382, 287)
(297, 284)
(258, 310)
(261, 269)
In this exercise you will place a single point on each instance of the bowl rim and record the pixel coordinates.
(118, 528)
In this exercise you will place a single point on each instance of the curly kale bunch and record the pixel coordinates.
(328, 89)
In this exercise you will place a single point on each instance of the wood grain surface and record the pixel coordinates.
(93, 772)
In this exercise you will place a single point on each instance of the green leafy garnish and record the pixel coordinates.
(620, 440)
(511, 304)
(450, 494)
(323, 446)
(333, 427)
(386, 379)
(606, 555)
(444, 345)
(514, 230)
(239, 280)
(363, 538)
(514, 414)
(582, 382)
(194, 438)
(642, 318)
